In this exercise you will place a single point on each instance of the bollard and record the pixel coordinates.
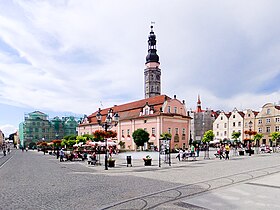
(128, 161)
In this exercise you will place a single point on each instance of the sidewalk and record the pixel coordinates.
(138, 162)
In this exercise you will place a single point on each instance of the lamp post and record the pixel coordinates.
(250, 133)
(112, 119)
(57, 152)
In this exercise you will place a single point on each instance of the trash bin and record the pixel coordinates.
(128, 161)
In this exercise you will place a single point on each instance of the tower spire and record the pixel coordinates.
(152, 51)
(152, 72)
(198, 109)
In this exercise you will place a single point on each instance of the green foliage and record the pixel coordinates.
(70, 137)
(208, 136)
(140, 136)
(81, 139)
(235, 135)
(71, 142)
(275, 136)
(88, 136)
(64, 143)
(258, 136)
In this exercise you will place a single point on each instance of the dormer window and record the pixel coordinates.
(168, 109)
(146, 111)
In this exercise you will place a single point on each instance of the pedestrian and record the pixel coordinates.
(8, 150)
(4, 151)
(179, 155)
(227, 149)
(192, 150)
(221, 152)
(197, 150)
(61, 155)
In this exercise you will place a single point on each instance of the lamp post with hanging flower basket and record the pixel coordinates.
(248, 140)
(112, 119)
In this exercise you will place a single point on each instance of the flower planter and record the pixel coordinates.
(111, 163)
(147, 162)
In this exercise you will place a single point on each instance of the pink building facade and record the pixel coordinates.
(157, 115)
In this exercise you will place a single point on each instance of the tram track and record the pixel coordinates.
(156, 199)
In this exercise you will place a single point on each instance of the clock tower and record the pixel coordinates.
(152, 72)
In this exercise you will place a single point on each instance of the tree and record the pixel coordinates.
(275, 136)
(235, 135)
(81, 139)
(208, 136)
(140, 136)
(88, 136)
(258, 137)
(71, 142)
(70, 137)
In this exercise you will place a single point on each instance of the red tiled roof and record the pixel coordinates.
(228, 114)
(277, 107)
(132, 110)
(255, 113)
(242, 114)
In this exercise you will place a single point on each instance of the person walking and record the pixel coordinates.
(197, 150)
(227, 149)
(180, 154)
(222, 152)
(4, 150)
(61, 155)
(192, 150)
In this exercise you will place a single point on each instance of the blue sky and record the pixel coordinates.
(63, 57)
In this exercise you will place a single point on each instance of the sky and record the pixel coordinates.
(69, 57)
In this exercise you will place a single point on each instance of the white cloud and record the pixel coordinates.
(70, 55)
(8, 129)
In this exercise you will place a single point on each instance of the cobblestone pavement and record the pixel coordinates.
(31, 180)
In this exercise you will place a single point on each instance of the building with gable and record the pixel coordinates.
(156, 113)
(220, 126)
(235, 123)
(202, 121)
(2, 137)
(267, 122)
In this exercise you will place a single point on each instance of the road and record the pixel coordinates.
(32, 180)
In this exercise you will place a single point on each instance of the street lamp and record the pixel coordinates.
(112, 119)
(250, 133)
